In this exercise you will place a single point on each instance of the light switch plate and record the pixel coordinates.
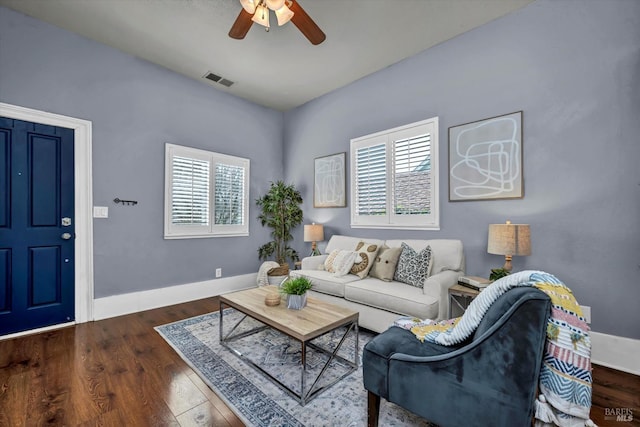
(101, 212)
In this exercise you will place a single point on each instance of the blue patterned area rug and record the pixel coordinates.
(258, 401)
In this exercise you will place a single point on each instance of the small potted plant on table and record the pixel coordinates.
(296, 292)
(498, 273)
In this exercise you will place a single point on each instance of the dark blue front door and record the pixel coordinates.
(36, 226)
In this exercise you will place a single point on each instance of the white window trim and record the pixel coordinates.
(391, 220)
(212, 230)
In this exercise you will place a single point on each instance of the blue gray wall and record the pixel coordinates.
(136, 108)
(573, 67)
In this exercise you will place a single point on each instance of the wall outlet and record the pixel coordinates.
(586, 312)
(218, 272)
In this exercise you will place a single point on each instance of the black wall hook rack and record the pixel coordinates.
(126, 202)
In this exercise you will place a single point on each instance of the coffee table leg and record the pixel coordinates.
(221, 315)
(357, 349)
(304, 372)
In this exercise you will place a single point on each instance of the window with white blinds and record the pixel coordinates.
(371, 178)
(394, 178)
(229, 194)
(189, 191)
(206, 193)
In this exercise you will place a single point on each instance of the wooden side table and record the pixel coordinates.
(461, 296)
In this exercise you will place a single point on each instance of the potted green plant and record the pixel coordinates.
(498, 273)
(280, 211)
(296, 291)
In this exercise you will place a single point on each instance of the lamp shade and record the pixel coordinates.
(261, 16)
(313, 233)
(284, 15)
(509, 239)
(248, 5)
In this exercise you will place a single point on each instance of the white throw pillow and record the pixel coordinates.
(343, 262)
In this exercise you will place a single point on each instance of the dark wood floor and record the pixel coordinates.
(120, 372)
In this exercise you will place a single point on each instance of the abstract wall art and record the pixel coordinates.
(485, 159)
(329, 183)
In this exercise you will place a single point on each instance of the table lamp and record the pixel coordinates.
(314, 233)
(508, 240)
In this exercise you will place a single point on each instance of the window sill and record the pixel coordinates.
(202, 236)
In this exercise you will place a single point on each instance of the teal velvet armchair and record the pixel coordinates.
(489, 380)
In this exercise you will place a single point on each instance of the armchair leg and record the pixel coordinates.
(373, 409)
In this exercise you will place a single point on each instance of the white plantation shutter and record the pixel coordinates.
(207, 194)
(371, 180)
(190, 191)
(394, 178)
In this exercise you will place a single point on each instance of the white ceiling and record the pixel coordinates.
(280, 69)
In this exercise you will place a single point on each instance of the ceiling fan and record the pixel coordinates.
(286, 10)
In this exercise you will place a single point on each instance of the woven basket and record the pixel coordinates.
(272, 299)
(283, 270)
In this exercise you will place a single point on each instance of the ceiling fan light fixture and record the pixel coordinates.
(285, 10)
(284, 15)
(261, 16)
(249, 5)
(275, 4)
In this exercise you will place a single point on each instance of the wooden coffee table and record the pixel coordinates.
(316, 319)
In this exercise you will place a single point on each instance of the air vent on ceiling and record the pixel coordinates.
(225, 82)
(218, 79)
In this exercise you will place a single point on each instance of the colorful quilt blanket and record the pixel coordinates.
(565, 377)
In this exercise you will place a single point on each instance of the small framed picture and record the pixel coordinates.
(329, 184)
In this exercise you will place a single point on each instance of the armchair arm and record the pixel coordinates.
(438, 286)
(313, 262)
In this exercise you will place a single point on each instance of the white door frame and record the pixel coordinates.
(83, 189)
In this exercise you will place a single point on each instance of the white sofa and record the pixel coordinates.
(379, 302)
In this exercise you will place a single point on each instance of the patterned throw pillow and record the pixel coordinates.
(343, 262)
(328, 263)
(367, 252)
(384, 266)
(413, 267)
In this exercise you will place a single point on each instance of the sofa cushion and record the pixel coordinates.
(413, 267)
(395, 297)
(448, 254)
(384, 266)
(367, 252)
(325, 282)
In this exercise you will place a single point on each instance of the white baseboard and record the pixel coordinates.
(615, 352)
(118, 305)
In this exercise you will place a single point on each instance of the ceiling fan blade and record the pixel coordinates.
(306, 25)
(240, 28)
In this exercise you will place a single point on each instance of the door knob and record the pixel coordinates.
(66, 236)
